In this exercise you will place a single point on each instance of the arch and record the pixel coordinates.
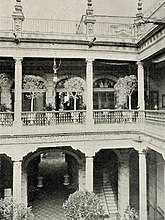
(103, 83)
(109, 77)
(7, 158)
(79, 156)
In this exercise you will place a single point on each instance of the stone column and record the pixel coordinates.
(89, 173)
(17, 180)
(1, 180)
(18, 92)
(123, 181)
(142, 185)
(24, 188)
(82, 178)
(89, 92)
(164, 186)
(141, 102)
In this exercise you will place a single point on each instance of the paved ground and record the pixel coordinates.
(47, 203)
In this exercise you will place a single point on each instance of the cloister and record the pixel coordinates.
(117, 153)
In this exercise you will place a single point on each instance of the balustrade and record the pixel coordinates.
(106, 116)
(118, 116)
(50, 26)
(53, 118)
(155, 117)
(6, 118)
(6, 24)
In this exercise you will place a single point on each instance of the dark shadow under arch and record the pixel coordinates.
(78, 155)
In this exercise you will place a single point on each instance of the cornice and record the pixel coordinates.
(151, 33)
(76, 137)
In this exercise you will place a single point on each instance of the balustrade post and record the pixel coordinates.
(89, 92)
(18, 92)
(89, 19)
(18, 17)
(141, 102)
(142, 185)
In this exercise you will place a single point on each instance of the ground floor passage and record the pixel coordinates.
(47, 201)
(116, 177)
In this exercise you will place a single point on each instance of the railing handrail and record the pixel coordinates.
(53, 111)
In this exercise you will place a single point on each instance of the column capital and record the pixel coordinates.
(143, 151)
(18, 59)
(140, 63)
(123, 154)
(90, 60)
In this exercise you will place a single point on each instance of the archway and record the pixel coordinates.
(6, 176)
(52, 174)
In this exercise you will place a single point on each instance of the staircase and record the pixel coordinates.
(108, 199)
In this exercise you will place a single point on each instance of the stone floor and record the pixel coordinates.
(48, 205)
(47, 202)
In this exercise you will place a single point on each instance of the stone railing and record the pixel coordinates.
(6, 118)
(103, 27)
(106, 116)
(53, 118)
(118, 116)
(6, 24)
(50, 26)
(155, 117)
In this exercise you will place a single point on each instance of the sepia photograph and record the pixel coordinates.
(82, 110)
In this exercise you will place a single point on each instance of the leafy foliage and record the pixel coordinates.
(3, 108)
(8, 208)
(75, 84)
(83, 205)
(3, 79)
(130, 214)
(126, 85)
(34, 85)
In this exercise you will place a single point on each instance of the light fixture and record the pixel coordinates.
(55, 68)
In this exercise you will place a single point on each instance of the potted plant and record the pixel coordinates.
(10, 210)
(83, 205)
(130, 214)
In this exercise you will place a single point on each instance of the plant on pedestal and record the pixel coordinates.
(35, 86)
(83, 205)
(125, 87)
(76, 87)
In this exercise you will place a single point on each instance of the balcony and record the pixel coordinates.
(46, 122)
